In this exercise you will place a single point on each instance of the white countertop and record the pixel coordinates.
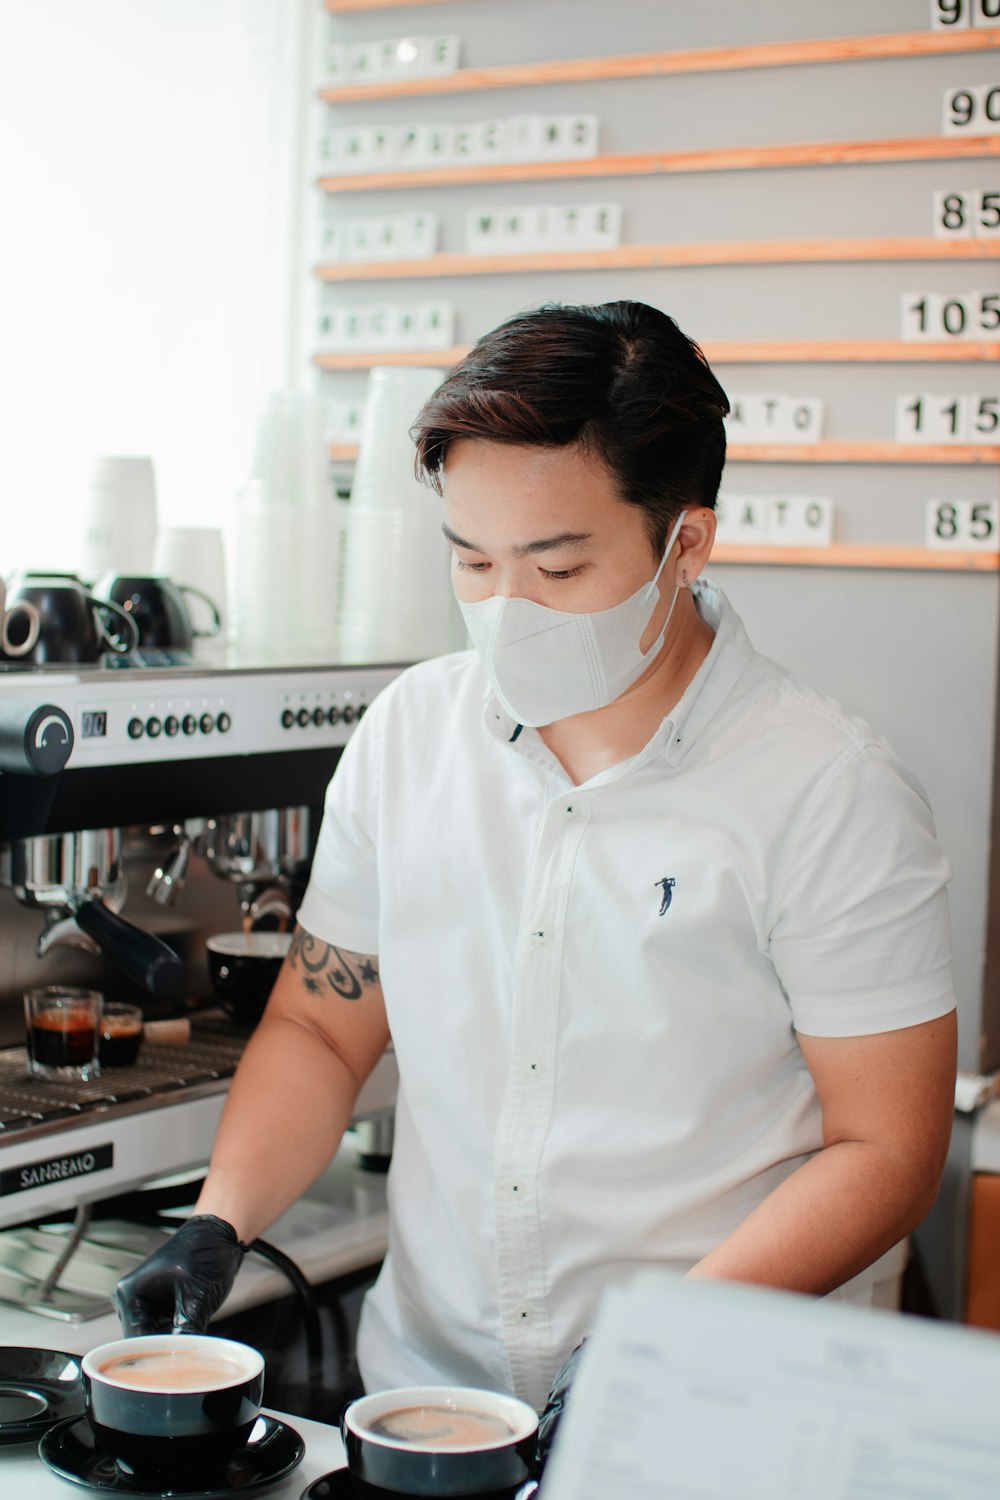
(339, 1226)
(23, 1476)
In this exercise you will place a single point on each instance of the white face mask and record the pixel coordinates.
(546, 664)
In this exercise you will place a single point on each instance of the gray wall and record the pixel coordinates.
(915, 653)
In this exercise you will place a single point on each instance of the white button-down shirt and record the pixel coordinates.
(594, 990)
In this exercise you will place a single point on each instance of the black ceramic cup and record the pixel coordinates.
(179, 1422)
(159, 608)
(243, 968)
(73, 626)
(442, 1457)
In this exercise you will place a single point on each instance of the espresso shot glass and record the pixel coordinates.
(62, 1026)
(120, 1035)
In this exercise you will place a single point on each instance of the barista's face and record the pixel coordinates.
(545, 524)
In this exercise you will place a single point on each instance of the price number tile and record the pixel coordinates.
(935, 316)
(962, 525)
(953, 15)
(972, 110)
(932, 418)
(962, 216)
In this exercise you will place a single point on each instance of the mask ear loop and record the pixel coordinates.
(675, 531)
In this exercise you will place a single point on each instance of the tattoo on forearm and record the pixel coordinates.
(327, 968)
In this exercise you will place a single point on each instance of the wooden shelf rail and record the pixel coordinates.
(847, 555)
(808, 351)
(637, 257)
(342, 7)
(660, 64)
(663, 163)
(819, 453)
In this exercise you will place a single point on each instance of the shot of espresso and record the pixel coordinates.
(121, 1033)
(172, 1370)
(62, 1038)
(442, 1427)
(61, 1030)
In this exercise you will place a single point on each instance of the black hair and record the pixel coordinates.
(618, 379)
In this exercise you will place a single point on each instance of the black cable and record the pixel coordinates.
(143, 1207)
(300, 1286)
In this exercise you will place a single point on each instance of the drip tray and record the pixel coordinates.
(26, 1102)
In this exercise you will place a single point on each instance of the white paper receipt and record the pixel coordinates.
(705, 1391)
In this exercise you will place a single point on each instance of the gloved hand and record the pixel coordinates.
(549, 1420)
(180, 1286)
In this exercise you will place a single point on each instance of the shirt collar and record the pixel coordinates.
(730, 655)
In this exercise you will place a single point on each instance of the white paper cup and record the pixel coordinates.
(119, 530)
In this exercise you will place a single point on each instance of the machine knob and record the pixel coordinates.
(34, 741)
(302, 717)
(136, 729)
(223, 723)
(189, 724)
(287, 718)
(206, 723)
(350, 715)
(171, 725)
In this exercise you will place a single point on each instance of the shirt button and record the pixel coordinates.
(538, 937)
(570, 809)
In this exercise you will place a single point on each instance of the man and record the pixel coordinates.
(660, 935)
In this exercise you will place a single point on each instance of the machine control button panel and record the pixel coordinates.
(121, 719)
(323, 714)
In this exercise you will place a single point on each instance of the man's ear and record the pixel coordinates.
(694, 544)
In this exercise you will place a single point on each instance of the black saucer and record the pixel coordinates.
(272, 1451)
(38, 1387)
(338, 1485)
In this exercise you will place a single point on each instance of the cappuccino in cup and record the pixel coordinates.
(172, 1370)
(440, 1441)
(172, 1407)
(443, 1426)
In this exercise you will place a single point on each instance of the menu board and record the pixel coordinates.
(709, 1391)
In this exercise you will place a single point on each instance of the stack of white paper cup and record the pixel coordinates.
(119, 530)
(286, 545)
(396, 599)
(285, 576)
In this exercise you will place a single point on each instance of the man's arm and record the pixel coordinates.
(888, 1102)
(322, 1033)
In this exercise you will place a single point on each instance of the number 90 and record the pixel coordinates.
(946, 14)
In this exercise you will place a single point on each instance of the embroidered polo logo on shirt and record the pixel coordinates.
(667, 886)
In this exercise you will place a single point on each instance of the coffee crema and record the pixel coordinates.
(171, 1370)
(442, 1427)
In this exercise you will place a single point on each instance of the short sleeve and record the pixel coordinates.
(341, 900)
(860, 934)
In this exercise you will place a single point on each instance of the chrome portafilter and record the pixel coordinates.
(77, 880)
(255, 851)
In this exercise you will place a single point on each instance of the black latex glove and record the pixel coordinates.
(180, 1286)
(549, 1420)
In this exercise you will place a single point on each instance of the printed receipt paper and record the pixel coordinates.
(702, 1391)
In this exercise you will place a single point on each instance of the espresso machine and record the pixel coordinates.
(142, 810)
